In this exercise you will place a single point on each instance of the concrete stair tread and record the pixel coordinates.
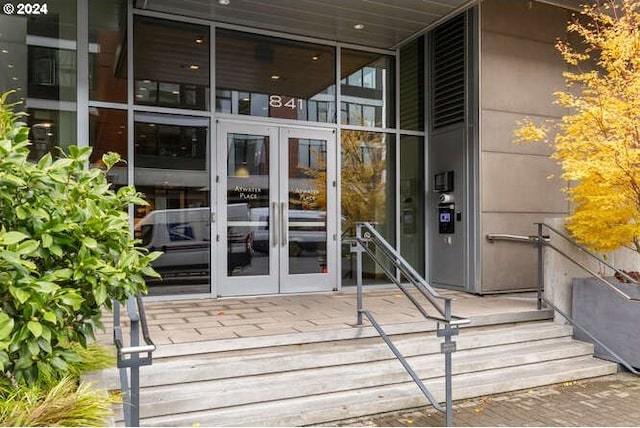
(268, 387)
(352, 403)
(239, 344)
(347, 352)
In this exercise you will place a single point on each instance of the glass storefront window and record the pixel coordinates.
(108, 133)
(38, 53)
(50, 131)
(108, 50)
(368, 89)
(270, 77)
(171, 64)
(165, 146)
(171, 170)
(412, 86)
(368, 193)
(412, 191)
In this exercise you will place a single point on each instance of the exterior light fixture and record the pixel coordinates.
(224, 2)
(275, 77)
(5, 51)
(358, 26)
(199, 40)
(315, 57)
(242, 172)
(10, 66)
(194, 67)
(14, 78)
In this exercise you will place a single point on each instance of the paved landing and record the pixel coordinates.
(184, 321)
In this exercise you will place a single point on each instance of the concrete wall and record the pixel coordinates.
(520, 71)
(559, 272)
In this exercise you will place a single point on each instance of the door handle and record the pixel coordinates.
(274, 224)
(283, 223)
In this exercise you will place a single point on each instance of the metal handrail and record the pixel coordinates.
(541, 241)
(441, 304)
(128, 357)
(532, 239)
(589, 253)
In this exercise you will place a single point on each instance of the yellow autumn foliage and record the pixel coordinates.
(598, 143)
(363, 179)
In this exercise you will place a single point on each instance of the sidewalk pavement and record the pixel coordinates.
(605, 401)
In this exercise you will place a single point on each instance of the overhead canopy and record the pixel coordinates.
(386, 23)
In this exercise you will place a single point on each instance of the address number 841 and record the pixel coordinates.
(278, 101)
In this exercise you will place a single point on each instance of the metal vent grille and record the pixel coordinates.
(448, 83)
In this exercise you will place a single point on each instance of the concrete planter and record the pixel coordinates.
(612, 319)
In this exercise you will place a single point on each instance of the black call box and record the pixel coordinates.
(446, 218)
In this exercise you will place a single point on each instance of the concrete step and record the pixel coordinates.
(319, 378)
(198, 396)
(242, 345)
(324, 354)
(331, 406)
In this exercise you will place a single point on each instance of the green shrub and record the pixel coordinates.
(65, 251)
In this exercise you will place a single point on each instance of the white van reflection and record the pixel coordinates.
(184, 236)
(307, 233)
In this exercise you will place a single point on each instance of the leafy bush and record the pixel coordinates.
(65, 251)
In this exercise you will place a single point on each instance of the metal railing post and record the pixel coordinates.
(124, 379)
(134, 389)
(449, 347)
(540, 266)
(359, 272)
(129, 357)
(370, 241)
(116, 316)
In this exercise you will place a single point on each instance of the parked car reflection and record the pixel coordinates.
(307, 235)
(184, 236)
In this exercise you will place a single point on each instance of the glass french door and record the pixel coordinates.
(276, 219)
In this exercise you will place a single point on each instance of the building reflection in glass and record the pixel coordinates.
(171, 170)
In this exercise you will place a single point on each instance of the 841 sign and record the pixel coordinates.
(282, 101)
(285, 107)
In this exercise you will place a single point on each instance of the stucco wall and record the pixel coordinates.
(520, 70)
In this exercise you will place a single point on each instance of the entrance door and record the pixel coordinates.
(276, 210)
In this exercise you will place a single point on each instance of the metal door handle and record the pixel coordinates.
(283, 223)
(274, 224)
